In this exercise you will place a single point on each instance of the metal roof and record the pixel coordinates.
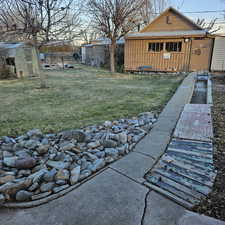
(6, 45)
(167, 33)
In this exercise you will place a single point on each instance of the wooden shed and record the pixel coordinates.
(20, 58)
(171, 42)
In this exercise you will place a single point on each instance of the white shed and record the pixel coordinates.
(21, 58)
(218, 57)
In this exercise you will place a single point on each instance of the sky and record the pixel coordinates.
(202, 5)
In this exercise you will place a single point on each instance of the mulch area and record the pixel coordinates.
(214, 205)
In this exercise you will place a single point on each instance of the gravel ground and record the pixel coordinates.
(214, 205)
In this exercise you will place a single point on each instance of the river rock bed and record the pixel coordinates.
(36, 165)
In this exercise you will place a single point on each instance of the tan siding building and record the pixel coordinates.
(171, 42)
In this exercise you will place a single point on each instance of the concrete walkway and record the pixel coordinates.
(117, 196)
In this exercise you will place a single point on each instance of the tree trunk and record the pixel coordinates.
(112, 55)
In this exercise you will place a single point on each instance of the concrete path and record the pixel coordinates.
(117, 196)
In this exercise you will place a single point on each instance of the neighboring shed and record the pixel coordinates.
(97, 53)
(21, 58)
(218, 57)
(58, 52)
(171, 42)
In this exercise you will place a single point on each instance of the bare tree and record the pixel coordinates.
(40, 20)
(209, 26)
(151, 9)
(115, 18)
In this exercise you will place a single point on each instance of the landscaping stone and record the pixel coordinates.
(35, 165)
(109, 143)
(97, 165)
(57, 164)
(62, 174)
(25, 163)
(47, 187)
(111, 152)
(2, 198)
(6, 179)
(9, 161)
(75, 174)
(42, 149)
(49, 175)
(23, 195)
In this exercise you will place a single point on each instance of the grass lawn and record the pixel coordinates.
(79, 97)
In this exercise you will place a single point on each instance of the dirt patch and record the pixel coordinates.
(214, 205)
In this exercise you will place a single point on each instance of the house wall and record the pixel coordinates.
(218, 58)
(201, 53)
(138, 55)
(176, 22)
(26, 62)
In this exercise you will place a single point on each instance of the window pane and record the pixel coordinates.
(155, 47)
(174, 46)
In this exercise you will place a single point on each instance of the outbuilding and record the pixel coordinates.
(171, 43)
(20, 58)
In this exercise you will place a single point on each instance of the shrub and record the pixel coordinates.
(5, 73)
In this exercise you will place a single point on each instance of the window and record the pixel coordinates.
(155, 47)
(168, 20)
(173, 46)
(10, 61)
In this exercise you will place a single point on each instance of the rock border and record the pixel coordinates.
(52, 197)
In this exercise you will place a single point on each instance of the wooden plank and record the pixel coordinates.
(198, 108)
(192, 145)
(177, 187)
(191, 167)
(183, 180)
(171, 196)
(195, 123)
(192, 153)
(201, 165)
(173, 190)
(204, 180)
(194, 159)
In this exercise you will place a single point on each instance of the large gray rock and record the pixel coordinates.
(57, 164)
(25, 163)
(47, 186)
(10, 161)
(75, 174)
(111, 152)
(37, 176)
(6, 179)
(31, 144)
(97, 165)
(35, 133)
(93, 145)
(23, 195)
(78, 135)
(122, 138)
(2, 198)
(109, 143)
(12, 188)
(50, 175)
(42, 149)
(84, 174)
(67, 146)
(62, 174)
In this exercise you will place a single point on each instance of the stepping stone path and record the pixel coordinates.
(185, 173)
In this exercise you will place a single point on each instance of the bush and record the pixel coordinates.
(5, 73)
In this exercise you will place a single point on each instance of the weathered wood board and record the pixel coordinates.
(195, 123)
(185, 172)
